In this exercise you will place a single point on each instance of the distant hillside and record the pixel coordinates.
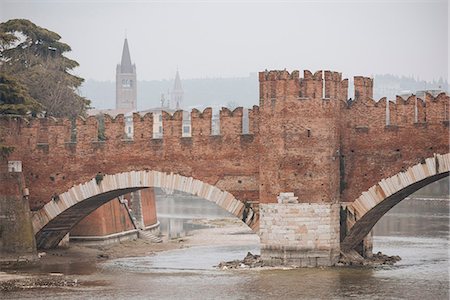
(197, 92)
(242, 91)
(388, 85)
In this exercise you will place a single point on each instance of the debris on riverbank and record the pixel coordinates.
(377, 259)
(250, 261)
(43, 281)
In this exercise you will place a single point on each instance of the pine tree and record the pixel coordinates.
(35, 57)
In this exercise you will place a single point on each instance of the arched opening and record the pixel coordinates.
(362, 215)
(417, 230)
(200, 233)
(60, 215)
(423, 213)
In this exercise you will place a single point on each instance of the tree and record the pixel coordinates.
(15, 99)
(35, 56)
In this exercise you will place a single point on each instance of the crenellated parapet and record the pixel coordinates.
(363, 87)
(403, 112)
(282, 85)
(231, 122)
(201, 122)
(141, 125)
(103, 131)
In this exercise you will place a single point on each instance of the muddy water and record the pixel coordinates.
(417, 231)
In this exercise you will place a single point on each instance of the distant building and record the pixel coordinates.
(126, 99)
(177, 92)
(126, 95)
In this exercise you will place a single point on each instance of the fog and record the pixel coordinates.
(228, 39)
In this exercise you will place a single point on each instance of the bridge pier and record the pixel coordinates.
(300, 234)
(17, 241)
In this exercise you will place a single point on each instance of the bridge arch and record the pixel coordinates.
(367, 210)
(53, 221)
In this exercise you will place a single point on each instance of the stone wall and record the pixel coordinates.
(301, 234)
(17, 240)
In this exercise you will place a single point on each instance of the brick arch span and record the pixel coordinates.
(367, 210)
(53, 221)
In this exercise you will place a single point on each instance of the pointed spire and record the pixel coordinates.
(177, 92)
(125, 65)
(177, 83)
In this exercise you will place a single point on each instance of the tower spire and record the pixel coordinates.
(125, 65)
(177, 92)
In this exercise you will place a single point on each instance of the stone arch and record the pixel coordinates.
(53, 221)
(364, 212)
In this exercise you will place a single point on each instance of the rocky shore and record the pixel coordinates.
(254, 261)
(250, 261)
(44, 281)
(377, 259)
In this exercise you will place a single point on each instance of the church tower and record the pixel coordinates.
(126, 95)
(177, 92)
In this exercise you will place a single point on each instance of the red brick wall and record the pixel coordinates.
(112, 217)
(321, 149)
(148, 206)
(109, 218)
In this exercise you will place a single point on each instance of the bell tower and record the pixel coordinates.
(177, 92)
(126, 95)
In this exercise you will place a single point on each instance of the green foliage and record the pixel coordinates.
(5, 151)
(101, 127)
(35, 56)
(14, 97)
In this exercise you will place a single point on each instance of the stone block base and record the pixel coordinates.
(296, 257)
(299, 234)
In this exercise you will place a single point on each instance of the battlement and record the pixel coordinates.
(278, 75)
(409, 112)
(283, 85)
(103, 130)
(319, 95)
(363, 87)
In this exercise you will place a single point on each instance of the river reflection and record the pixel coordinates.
(176, 212)
(417, 230)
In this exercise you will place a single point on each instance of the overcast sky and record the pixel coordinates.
(227, 39)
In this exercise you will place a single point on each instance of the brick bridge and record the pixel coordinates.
(348, 162)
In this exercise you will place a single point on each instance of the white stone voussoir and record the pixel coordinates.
(134, 179)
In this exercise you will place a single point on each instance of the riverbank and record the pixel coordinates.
(50, 269)
(72, 266)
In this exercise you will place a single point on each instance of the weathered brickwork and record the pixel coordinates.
(113, 217)
(109, 218)
(305, 137)
(17, 240)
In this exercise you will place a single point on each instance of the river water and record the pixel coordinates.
(417, 230)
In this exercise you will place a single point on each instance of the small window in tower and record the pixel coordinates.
(160, 118)
(160, 129)
(126, 83)
(186, 129)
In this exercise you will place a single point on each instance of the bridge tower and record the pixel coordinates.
(299, 120)
(126, 95)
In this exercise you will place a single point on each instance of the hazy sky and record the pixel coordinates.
(234, 38)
